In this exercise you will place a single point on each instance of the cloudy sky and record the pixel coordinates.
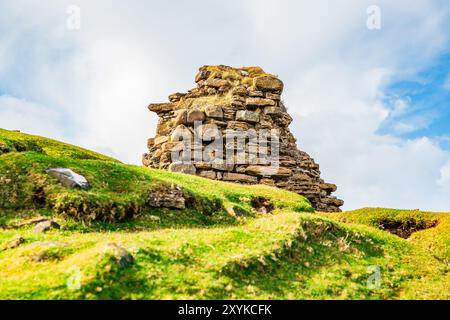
(372, 106)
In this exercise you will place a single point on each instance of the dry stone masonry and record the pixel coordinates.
(243, 100)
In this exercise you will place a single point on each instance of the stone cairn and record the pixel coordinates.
(243, 100)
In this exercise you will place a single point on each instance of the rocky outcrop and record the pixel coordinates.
(194, 130)
(68, 178)
(45, 226)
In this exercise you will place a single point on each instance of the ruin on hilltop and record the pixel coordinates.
(234, 127)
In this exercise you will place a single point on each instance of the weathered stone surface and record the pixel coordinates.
(216, 83)
(40, 257)
(181, 117)
(31, 221)
(238, 125)
(203, 165)
(160, 140)
(241, 103)
(268, 171)
(48, 244)
(120, 254)
(195, 115)
(236, 211)
(13, 243)
(259, 102)
(239, 177)
(180, 132)
(161, 107)
(273, 111)
(333, 201)
(214, 112)
(329, 187)
(4, 149)
(150, 142)
(239, 90)
(176, 97)
(69, 178)
(273, 96)
(268, 83)
(187, 168)
(222, 166)
(45, 226)
(202, 75)
(256, 94)
(172, 146)
(210, 174)
(167, 197)
(247, 116)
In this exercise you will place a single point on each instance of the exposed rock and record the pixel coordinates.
(216, 83)
(27, 222)
(259, 102)
(328, 187)
(256, 94)
(241, 102)
(48, 244)
(222, 166)
(214, 112)
(238, 125)
(68, 178)
(167, 197)
(236, 211)
(181, 117)
(210, 174)
(268, 83)
(182, 167)
(161, 107)
(40, 257)
(45, 226)
(176, 97)
(4, 149)
(202, 75)
(239, 91)
(268, 171)
(247, 116)
(239, 177)
(14, 243)
(160, 140)
(262, 205)
(273, 96)
(120, 254)
(195, 115)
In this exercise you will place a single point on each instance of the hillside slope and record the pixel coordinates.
(115, 243)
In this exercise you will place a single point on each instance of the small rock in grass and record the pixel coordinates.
(4, 149)
(236, 211)
(68, 178)
(27, 222)
(122, 256)
(48, 244)
(40, 257)
(45, 226)
(14, 243)
(167, 197)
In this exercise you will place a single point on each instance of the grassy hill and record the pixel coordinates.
(219, 247)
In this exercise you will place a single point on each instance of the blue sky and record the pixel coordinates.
(421, 104)
(371, 106)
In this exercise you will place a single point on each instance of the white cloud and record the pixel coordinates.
(19, 114)
(126, 55)
(444, 179)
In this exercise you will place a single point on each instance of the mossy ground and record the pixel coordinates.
(201, 252)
